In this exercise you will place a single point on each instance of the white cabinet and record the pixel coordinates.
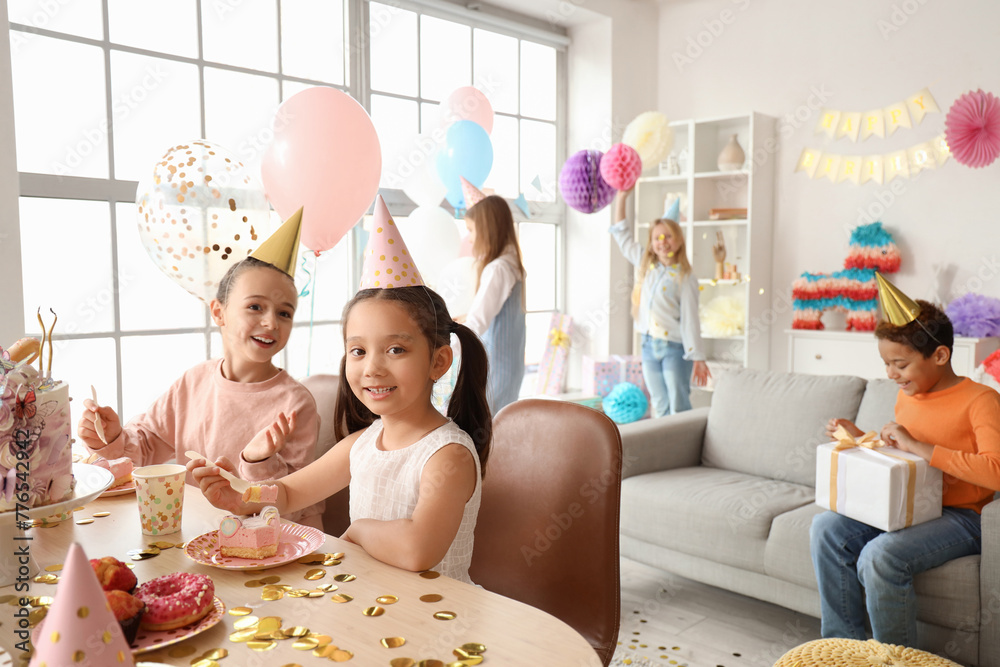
(856, 353)
(703, 187)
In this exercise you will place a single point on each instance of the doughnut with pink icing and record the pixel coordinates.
(175, 600)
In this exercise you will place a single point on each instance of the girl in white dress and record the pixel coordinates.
(415, 475)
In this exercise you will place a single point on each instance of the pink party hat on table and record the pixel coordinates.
(79, 628)
(387, 261)
(472, 194)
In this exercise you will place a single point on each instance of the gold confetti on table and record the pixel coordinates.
(297, 631)
(473, 648)
(272, 579)
(392, 642)
(253, 583)
(344, 577)
(430, 574)
(387, 599)
(241, 636)
(431, 597)
(240, 611)
(316, 573)
(325, 651)
(246, 622)
(262, 645)
(181, 651)
(46, 579)
(402, 662)
(327, 587)
(430, 663)
(84, 522)
(271, 594)
(305, 643)
(54, 568)
(341, 655)
(298, 593)
(312, 559)
(160, 545)
(341, 597)
(205, 663)
(445, 615)
(373, 611)
(101, 515)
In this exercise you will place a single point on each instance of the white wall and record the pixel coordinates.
(780, 57)
(612, 76)
(11, 300)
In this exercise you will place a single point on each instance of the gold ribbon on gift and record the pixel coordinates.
(872, 442)
(558, 338)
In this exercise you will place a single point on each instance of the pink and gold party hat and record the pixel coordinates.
(472, 194)
(387, 261)
(79, 628)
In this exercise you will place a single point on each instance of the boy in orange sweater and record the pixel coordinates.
(953, 423)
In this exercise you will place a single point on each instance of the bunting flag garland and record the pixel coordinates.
(879, 122)
(859, 169)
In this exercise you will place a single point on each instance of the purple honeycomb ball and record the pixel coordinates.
(581, 184)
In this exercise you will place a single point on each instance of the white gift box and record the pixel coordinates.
(885, 487)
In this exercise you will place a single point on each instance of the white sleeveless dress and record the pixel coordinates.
(385, 486)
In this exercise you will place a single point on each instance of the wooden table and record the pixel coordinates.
(514, 633)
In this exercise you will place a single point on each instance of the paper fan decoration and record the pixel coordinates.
(581, 184)
(650, 135)
(621, 167)
(972, 129)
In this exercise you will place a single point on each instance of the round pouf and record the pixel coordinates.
(625, 404)
(581, 184)
(857, 653)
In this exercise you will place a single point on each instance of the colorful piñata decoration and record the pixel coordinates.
(852, 290)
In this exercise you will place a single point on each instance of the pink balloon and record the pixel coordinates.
(468, 103)
(465, 247)
(326, 158)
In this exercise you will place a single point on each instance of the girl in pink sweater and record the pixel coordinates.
(239, 408)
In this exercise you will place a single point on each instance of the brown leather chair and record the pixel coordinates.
(336, 517)
(547, 533)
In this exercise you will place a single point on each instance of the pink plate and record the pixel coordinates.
(296, 541)
(148, 640)
(121, 490)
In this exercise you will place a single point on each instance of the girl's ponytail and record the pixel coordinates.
(468, 406)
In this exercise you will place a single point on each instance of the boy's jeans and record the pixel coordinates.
(848, 555)
(667, 375)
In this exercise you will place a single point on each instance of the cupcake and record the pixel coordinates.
(128, 612)
(113, 575)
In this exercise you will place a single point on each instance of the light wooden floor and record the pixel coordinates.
(669, 620)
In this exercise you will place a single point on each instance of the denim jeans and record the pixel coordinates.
(849, 556)
(667, 375)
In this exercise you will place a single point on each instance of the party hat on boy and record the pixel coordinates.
(673, 210)
(472, 194)
(387, 261)
(79, 628)
(281, 249)
(898, 308)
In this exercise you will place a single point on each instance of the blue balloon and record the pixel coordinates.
(467, 152)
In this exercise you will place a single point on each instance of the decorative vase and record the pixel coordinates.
(732, 156)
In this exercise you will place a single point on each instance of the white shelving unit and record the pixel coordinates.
(702, 187)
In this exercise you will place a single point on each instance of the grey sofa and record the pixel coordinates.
(724, 495)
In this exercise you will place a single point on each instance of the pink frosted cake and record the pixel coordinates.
(266, 493)
(120, 468)
(35, 453)
(251, 537)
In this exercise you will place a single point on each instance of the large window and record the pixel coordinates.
(100, 95)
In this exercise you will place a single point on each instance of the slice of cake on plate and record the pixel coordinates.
(120, 468)
(251, 536)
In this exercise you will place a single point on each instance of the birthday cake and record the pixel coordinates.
(36, 466)
(252, 536)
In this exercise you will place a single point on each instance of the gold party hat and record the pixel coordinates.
(898, 308)
(281, 249)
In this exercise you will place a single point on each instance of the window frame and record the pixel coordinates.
(114, 191)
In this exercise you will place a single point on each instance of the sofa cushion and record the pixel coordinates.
(878, 405)
(949, 595)
(768, 424)
(787, 554)
(719, 515)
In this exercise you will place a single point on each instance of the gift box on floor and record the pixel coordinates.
(881, 486)
(630, 370)
(598, 377)
(552, 369)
